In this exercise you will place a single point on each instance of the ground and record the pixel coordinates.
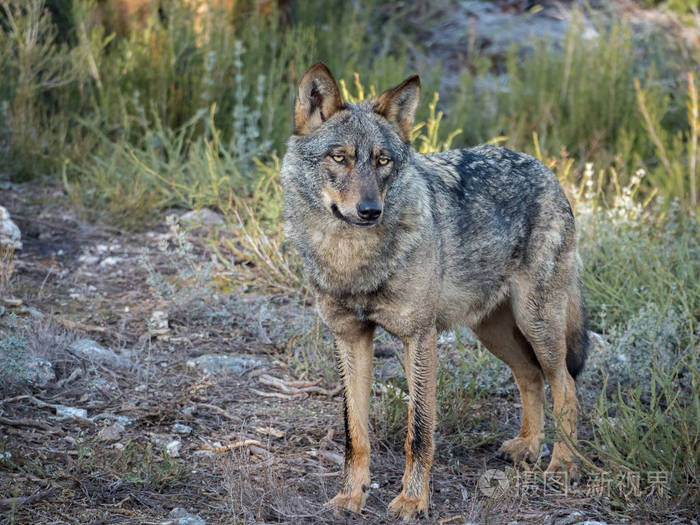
(266, 439)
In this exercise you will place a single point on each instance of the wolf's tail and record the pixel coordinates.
(577, 340)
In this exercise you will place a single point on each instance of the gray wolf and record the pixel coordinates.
(419, 244)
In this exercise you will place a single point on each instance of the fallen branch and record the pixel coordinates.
(219, 411)
(24, 423)
(331, 457)
(21, 501)
(62, 411)
(297, 387)
(278, 395)
(443, 521)
(72, 377)
(235, 445)
(80, 326)
(16, 398)
(270, 431)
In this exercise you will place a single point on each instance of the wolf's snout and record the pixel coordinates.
(369, 210)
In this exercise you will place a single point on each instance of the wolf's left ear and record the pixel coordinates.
(398, 105)
(318, 99)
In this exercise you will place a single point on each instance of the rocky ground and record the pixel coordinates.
(142, 383)
(130, 395)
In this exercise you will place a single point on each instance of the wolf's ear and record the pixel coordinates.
(398, 105)
(318, 99)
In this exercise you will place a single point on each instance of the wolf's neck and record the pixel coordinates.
(342, 259)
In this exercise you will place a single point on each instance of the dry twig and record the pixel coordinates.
(24, 423)
(80, 326)
(21, 501)
(253, 445)
(220, 411)
(294, 388)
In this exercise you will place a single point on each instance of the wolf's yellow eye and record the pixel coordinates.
(338, 158)
(383, 161)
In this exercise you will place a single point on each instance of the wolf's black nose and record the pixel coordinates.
(369, 210)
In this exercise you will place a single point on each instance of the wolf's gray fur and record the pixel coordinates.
(481, 237)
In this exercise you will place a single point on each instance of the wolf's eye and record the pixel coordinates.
(383, 161)
(338, 158)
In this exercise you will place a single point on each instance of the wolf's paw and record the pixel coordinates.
(407, 508)
(353, 501)
(564, 465)
(521, 449)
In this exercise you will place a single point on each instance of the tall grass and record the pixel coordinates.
(118, 114)
(180, 113)
(611, 99)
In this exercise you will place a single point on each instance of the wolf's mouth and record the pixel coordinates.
(353, 221)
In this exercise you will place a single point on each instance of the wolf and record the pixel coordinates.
(419, 244)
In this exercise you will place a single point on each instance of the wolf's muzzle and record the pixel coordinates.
(369, 210)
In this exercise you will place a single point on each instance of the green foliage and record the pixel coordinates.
(653, 426)
(137, 465)
(120, 115)
(582, 101)
(677, 6)
(242, 67)
(632, 264)
(34, 66)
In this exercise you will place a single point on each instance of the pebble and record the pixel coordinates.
(110, 433)
(182, 517)
(216, 363)
(179, 428)
(203, 217)
(173, 448)
(93, 351)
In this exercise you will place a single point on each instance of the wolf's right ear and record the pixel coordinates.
(318, 98)
(398, 105)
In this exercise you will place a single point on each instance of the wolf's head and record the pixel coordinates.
(343, 156)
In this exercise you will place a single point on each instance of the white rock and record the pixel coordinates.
(597, 342)
(36, 371)
(203, 217)
(158, 323)
(215, 363)
(93, 351)
(121, 421)
(182, 517)
(70, 412)
(88, 259)
(9, 232)
(110, 433)
(110, 261)
(173, 448)
(179, 428)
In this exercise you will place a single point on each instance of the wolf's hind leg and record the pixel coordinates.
(542, 318)
(353, 342)
(502, 337)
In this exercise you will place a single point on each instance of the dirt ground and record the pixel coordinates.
(262, 443)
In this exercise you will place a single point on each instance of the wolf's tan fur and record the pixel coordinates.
(483, 238)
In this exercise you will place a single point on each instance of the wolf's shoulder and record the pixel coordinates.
(486, 161)
(487, 174)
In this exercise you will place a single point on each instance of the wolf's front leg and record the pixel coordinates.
(421, 372)
(354, 351)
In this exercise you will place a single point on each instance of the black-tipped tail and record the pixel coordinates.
(577, 338)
